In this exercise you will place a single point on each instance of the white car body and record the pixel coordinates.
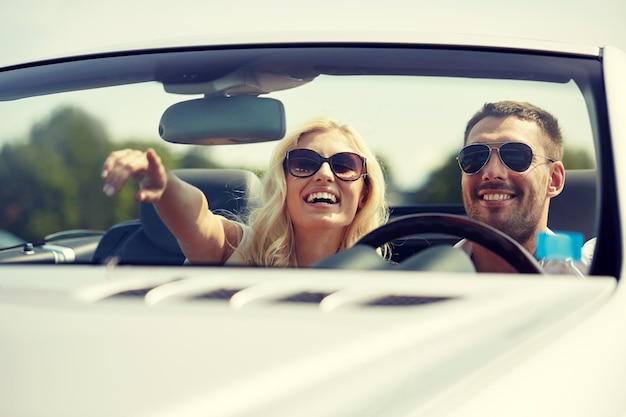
(476, 345)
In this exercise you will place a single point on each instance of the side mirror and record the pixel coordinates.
(223, 121)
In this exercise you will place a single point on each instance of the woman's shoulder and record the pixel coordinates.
(237, 257)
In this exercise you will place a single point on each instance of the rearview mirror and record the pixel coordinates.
(223, 121)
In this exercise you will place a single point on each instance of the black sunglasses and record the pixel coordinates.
(303, 163)
(516, 156)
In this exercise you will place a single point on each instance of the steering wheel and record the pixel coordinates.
(491, 238)
(360, 255)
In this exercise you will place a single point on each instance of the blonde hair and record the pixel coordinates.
(272, 240)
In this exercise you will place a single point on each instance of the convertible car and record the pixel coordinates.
(100, 316)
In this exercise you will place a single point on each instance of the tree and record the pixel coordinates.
(51, 179)
(198, 157)
(578, 159)
(443, 185)
(48, 175)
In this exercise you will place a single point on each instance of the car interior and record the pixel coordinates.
(273, 87)
(147, 241)
(232, 192)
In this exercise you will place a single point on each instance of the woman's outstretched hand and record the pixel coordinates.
(145, 168)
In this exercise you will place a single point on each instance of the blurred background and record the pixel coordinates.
(33, 30)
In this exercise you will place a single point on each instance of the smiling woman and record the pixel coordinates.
(309, 212)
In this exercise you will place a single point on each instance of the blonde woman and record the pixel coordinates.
(323, 191)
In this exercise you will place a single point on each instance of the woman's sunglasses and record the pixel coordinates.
(303, 163)
(516, 156)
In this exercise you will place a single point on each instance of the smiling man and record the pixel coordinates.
(511, 167)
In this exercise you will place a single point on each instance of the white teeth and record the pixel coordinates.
(496, 197)
(321, 196)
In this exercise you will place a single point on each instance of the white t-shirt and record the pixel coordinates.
(235, 258)
(586, 252)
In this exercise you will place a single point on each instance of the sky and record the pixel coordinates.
(37, 29)
(32, 29)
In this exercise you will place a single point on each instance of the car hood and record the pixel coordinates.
(240, 342)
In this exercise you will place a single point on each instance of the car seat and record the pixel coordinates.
(146, 241)
(575, 208)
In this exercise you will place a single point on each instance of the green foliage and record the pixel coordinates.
(578, 159)
(197, 157)
(443, 186)
(51, 179)
(46, 176)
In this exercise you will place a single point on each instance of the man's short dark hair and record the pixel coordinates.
(524, 111)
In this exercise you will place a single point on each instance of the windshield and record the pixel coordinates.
(412, 115)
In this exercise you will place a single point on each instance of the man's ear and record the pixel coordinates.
(557, 179)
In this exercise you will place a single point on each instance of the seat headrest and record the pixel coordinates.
(576, 207)
(233, 191)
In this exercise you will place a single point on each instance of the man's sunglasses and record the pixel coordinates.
(516, 156)
(303, 163)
